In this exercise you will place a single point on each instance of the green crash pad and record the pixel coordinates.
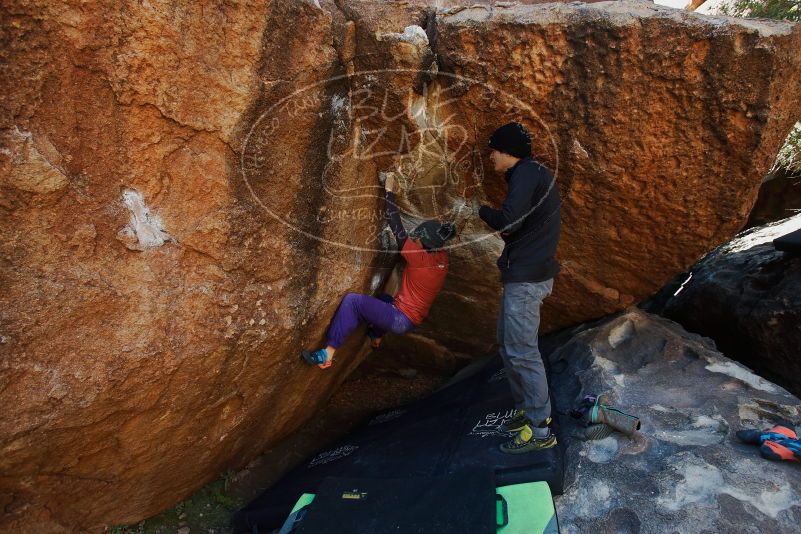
(305, 499)
(529, 507)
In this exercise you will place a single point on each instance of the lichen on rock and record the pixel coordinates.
(144, 230)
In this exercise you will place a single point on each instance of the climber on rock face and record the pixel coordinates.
(528, 222)
(426, 267)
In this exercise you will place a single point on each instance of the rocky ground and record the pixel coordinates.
(685, 471)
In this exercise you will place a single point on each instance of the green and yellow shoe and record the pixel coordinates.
(516, 423)
(519, 420)
(525, 442)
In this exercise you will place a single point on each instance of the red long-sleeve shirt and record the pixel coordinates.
(423, 277)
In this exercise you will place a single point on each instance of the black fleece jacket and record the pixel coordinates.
(529, 222)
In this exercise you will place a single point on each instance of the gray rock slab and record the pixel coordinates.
(746, 295)
(685, 471)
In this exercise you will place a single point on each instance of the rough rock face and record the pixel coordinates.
(152, 312)
(685, 471)
(746, 296)
(660, 124)
(187, 190)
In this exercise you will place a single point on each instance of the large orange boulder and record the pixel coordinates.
(658, 123)
(151, 310)
(188, 188)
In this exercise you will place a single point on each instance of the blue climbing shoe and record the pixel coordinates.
(318, 357)
(778, 432)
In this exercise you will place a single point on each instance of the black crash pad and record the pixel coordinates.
(789, 242)
(454, 428)
(462, 502)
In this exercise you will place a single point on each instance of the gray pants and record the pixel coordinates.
(518, 325)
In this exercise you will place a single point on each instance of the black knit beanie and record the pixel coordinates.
(512, 139)
(433, 234)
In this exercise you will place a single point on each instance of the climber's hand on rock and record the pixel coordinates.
(476, 205)
(391, 184)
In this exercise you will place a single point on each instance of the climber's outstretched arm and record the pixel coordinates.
(393, 215)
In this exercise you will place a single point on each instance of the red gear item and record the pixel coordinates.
(788, 450)
(423, 277)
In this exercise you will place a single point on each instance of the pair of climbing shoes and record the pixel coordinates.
(778, 443)
(602, 419)
(614, 418)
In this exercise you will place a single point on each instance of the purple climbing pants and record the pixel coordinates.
(355, 308)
